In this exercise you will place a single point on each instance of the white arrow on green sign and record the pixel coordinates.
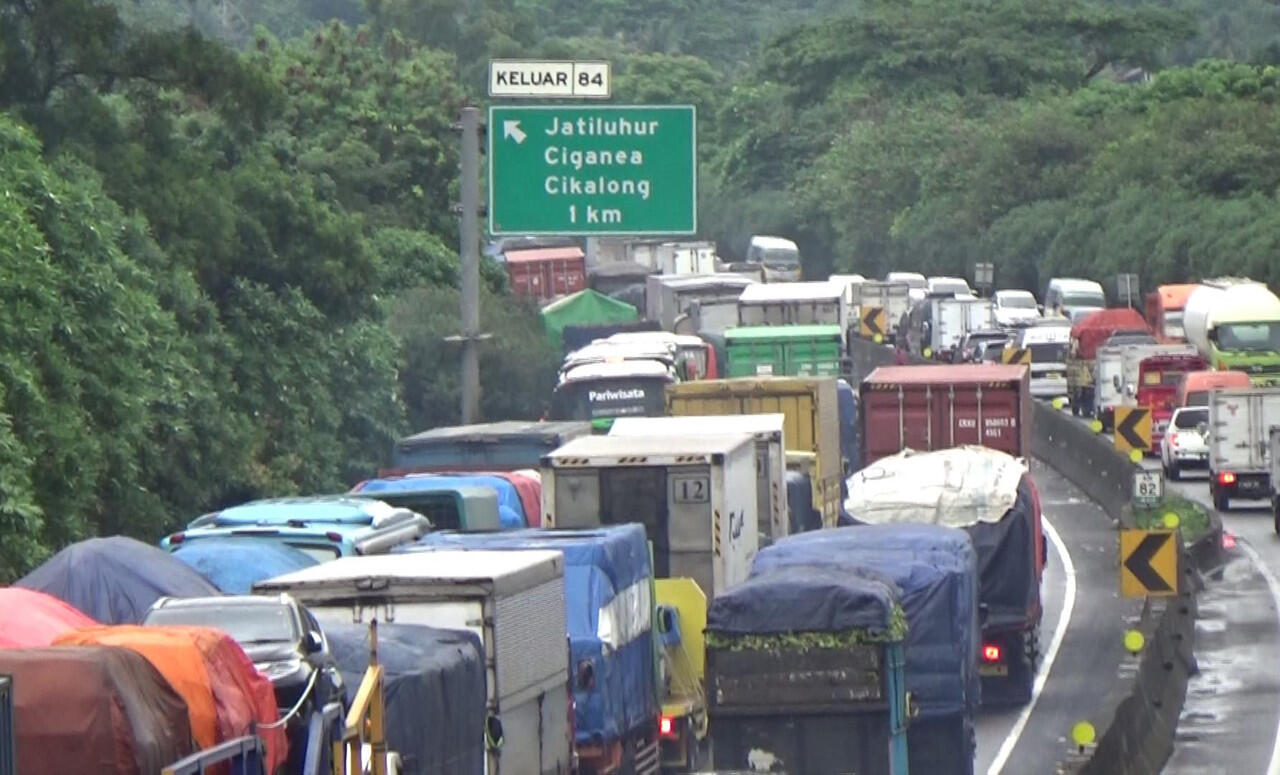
(615, 169)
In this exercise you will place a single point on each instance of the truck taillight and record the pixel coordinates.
(176, 538)
(1226, 477)
(666, 726)
(991, 653)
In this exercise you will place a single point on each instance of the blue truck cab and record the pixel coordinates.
(472, 501)
(324, 527)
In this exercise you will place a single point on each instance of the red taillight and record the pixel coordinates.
(1173, 440)
(176, 538)
(1228, 540)
(666, 726)
(1226, 477)
(991, 653)
(335, 537)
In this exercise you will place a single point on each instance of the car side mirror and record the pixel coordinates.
(315, 642)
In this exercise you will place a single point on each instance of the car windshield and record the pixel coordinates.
(1018, 301)
(1249, 336)
(1186, 420)
(777, 256)
(246, 623)
(1083, 299)
(319, 552)
(1173, 325)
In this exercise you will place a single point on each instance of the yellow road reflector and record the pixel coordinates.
(1134, 641)
(1083, 733)
(1171, 521)
(1135, 456)
(879, 338)
(1095, 425)
(1059, 403)
(928, 352)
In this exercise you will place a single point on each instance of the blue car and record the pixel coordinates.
(324, 527)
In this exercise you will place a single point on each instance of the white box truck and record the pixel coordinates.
(1240, 422)
(514, 601)
(955, 317)
(894, 298)
(695, 496)
(789, 304)
(771, 460)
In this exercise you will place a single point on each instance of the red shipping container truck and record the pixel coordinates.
(546, 273)
(927, 408)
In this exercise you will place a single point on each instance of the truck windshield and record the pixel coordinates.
(777, 256)
(1049, 352)
(1249, 336)
(245, 623)
(1084, 299)
(1018, 301)
(1173, 325)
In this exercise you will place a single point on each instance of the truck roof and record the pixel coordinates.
(1174, 296)
(697, 281)
(633, 368)
(499, 571)
(496, 432)
(534, 255)
(768, 333)
(635, 450)
(946, 375)
(817, 290)
(696, 424)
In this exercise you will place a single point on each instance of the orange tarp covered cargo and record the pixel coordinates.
(98, 710)
(178, 659)
(241, 693)
(30, 619)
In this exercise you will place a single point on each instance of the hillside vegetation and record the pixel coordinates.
(230, 259)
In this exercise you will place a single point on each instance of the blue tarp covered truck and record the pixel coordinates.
(805, 672)
(993, 498)
(936, 569)
(609, 601)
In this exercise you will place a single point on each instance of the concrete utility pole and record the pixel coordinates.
(469, 255)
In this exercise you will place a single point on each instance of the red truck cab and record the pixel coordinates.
(1164, 312)
(1158, 379)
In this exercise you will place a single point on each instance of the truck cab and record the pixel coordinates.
(1071, 297)
(1236, 325)
(1195, 386)
(1164, 311)
(1157, 389)
(1048, 346)
(780, 258)
(620, 389)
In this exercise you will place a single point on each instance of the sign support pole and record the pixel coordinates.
(469, 255)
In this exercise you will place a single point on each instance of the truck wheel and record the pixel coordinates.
(1221, 501)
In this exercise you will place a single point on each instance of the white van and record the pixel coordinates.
(779, 257)
(1072, 298)
(917, 286)
(1048, 345)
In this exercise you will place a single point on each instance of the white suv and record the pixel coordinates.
(1184, 445)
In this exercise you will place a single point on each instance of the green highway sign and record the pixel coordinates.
(607, 169)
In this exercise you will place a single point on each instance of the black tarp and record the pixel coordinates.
(579, 336)
(435, 692)
(803, 516)
(804, 599)
(115, 580)
(1007, 582)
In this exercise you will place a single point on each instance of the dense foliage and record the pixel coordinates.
(228, 249)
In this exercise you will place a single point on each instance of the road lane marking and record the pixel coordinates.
(1059, 632)
(1273, 768)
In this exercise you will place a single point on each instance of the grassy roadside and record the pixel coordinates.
(1192, 517)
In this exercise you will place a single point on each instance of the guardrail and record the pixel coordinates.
(1142, 713)
(8, 741)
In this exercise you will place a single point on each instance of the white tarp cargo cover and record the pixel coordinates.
(953, 487)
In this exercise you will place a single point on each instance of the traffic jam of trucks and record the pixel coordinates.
(723, 547)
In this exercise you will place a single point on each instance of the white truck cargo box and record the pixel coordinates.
(1240, 422)
(695, 495)
(513, 600)
(771, 462)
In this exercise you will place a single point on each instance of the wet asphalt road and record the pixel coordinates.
(1091, 652)
(1230, 720)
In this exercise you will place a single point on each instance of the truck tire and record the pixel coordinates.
(1221, 501)
(1173, 473)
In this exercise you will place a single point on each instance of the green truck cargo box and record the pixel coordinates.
(783, 351)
